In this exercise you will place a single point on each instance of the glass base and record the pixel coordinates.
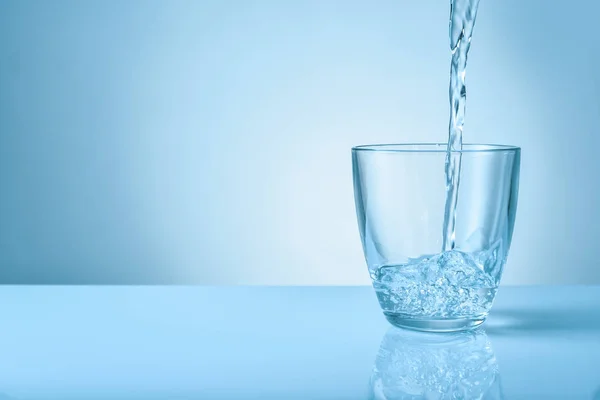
(433, 324)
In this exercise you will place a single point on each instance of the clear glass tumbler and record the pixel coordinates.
(400, 195)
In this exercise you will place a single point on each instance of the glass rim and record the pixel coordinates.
(435, 148)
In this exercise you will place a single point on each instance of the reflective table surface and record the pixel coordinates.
(94, 342)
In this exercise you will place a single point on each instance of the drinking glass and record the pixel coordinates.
(400, 195)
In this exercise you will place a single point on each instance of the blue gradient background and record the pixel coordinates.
(209, 141)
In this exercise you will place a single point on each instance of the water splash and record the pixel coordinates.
(452, 284)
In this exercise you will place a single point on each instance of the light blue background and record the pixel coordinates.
(208, 141)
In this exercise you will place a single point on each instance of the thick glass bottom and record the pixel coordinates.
(433, 324)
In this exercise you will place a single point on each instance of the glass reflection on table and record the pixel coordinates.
(416, 365)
